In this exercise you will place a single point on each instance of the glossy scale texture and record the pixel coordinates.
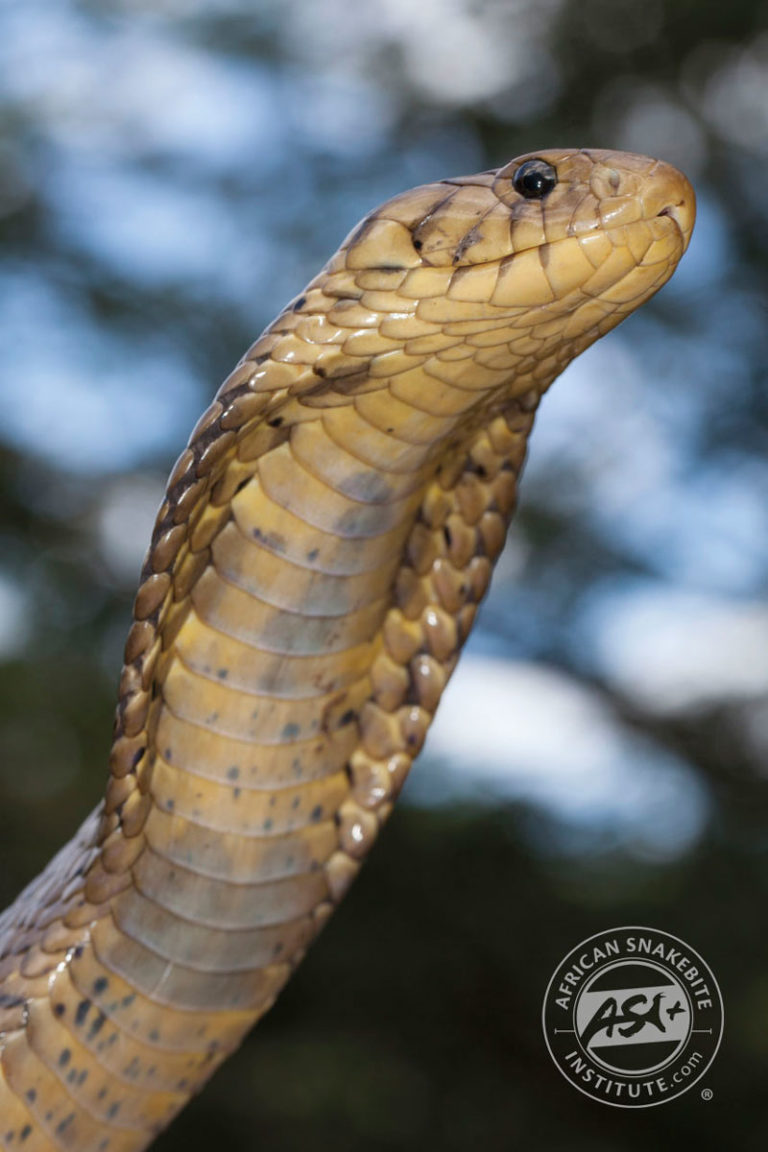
(315, 568)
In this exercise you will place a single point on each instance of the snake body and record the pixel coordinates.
(315, 568)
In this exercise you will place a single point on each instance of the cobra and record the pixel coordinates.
(316, 565)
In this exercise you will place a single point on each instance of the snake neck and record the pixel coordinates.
(308, 589)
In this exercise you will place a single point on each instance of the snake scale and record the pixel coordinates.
(316, 565)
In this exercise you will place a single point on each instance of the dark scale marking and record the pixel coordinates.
(299, 303)
(64, 1057)
(233, 772)
(81, 1012)
(62, 1126)
(168, 754)
(59, 1009)
(9, 1136)
(31, 1095)
(290, 731)
(102, 1093)
(9, 1001)
(83, 1076)
(128, 1000)
(96, 1026)
(348, 717)
(267, 825)
(316, 813)
(223, 673)
(371, 487)
(104, 1144)
(100, 985)
(313, 554)
(353, 519)
(72, 1076)
(25, 1132)
(154, 1036)
(272, 540)
(170, 804)
(472, 237)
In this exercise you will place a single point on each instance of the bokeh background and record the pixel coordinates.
(171, 173)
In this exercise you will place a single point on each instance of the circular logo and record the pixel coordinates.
(633, 1017)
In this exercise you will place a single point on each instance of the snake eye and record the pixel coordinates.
(534, 179)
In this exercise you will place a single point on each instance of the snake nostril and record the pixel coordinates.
(682, 215)
(673, 211)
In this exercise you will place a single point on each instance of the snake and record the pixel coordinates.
(315, 567)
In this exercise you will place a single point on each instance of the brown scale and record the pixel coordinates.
(315, 569)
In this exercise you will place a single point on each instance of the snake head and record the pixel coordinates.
(523, 266)
(606, 229)
(488, 284)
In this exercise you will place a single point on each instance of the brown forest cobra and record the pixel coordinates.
(315, 568)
